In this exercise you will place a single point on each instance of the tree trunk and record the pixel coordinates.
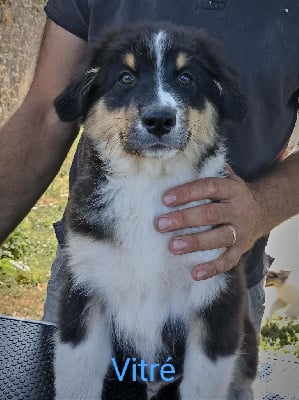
(21, 26)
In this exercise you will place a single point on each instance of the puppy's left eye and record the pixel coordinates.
(185, 79)
(126, 79)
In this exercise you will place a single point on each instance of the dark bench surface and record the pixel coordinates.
(26, 354)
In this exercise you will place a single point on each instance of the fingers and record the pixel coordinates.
(207, 188)
(221, 236)
(228, 260)
(203, 215)
(233, 212)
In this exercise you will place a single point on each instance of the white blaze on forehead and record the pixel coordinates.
(160, 45)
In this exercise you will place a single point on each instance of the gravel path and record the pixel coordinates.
(278, 377)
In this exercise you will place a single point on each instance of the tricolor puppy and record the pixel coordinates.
(153, 101)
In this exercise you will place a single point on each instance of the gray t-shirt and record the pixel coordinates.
(261, 39)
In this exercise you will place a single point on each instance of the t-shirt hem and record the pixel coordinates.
(63, 21)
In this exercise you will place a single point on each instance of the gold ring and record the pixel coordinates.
(234, 234)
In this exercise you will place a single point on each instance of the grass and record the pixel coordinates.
(26, 258)
(281, 333)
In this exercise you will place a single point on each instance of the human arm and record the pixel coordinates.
(253, 209)
(34, 142)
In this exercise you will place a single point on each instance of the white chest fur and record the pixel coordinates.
(140, 279)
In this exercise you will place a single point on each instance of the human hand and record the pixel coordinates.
(237, 218)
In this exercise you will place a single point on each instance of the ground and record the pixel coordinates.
(23, 301)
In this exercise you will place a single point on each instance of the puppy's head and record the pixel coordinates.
(153, 91)
(277, 279)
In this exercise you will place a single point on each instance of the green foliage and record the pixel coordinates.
(7, 271)
(26, 256)
(12, 269)
(281, 333)
(15, 246)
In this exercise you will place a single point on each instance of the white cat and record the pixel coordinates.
(287, 293)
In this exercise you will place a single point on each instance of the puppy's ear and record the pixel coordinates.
(231, 102)
(283, 274)
(73, 102)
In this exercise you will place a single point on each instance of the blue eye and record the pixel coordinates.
(185, 79)
(126, 79)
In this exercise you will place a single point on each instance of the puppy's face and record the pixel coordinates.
(153, 92)
(277, 279)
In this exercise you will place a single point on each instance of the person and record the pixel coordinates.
(261, 189)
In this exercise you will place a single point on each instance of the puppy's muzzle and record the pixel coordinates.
(159, 122)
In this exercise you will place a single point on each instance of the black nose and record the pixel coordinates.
(159, 122)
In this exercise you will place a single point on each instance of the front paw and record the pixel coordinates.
(169, 392)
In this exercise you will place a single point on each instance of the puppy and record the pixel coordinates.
(133, 323)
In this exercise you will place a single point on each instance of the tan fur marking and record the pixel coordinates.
(202, 124)
(129, 60)
(109, 129)
(181, 60)
(277, 279)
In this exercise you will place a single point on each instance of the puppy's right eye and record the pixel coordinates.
(126, 79)
(185, 79)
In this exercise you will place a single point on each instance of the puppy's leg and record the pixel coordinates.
(80, 369)
(213, 344)
(82, 357)
(206, 376)
(246, 365)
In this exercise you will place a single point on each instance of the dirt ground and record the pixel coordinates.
(23, 301)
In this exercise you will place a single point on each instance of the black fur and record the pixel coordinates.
(222, 320)
(84, 209)
(209, 152)
(77, 99)
(169, 392)
(73, 313)
(249, 354)
(174, 335)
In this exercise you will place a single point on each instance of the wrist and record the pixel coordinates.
(276, 195)
(261, 213)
